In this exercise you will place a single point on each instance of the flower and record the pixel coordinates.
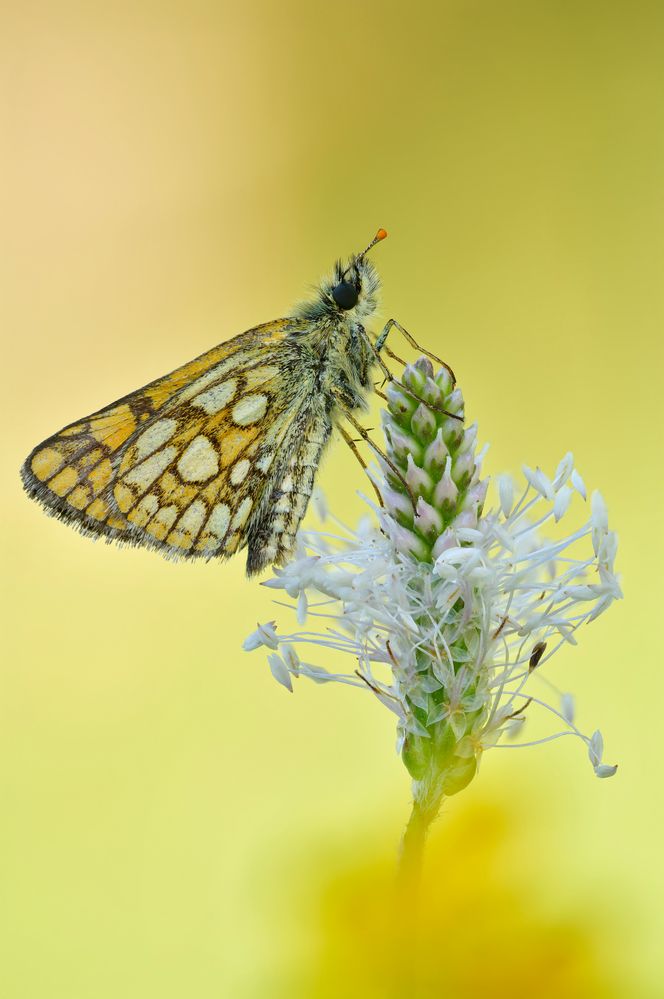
(448, 611)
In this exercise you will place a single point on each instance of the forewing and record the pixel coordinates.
(179, 464)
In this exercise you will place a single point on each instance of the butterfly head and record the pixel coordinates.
(350, 292)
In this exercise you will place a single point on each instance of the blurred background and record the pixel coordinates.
(174, 823)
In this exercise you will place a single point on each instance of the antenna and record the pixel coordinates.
(381, 234)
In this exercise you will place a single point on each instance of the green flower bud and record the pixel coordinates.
(424, 424)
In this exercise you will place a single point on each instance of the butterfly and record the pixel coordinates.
(222, 453)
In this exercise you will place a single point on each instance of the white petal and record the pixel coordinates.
(596, 748)
(291, 658)
(264, 634)
(302, 606)
(608, 548)
(506, 493)
(280, 671)
(481, 455)
(410, 622)
(564, 470)
(539, 481)
(562, 502)
(599, 514)
(604, 770)
(317, 673)
(567, 707)
(579, 484)
(580, 592)
(469, 534)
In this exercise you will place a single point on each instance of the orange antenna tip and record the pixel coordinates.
(381, 234)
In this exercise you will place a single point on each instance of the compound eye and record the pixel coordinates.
(345, 295)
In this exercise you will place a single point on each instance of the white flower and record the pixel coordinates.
(448, 613)
(265, 634)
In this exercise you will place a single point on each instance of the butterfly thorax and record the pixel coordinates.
(341, 358)
(336, 335)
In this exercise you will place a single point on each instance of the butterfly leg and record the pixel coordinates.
(351, 444)
(372, 444)
(389, 377)
(380, 342)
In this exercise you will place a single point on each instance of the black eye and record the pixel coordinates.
(345, 295)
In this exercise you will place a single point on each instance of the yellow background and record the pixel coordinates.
(175, 824)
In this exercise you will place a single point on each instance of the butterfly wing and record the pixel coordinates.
(191, 462)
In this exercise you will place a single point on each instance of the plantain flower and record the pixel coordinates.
(448, 612)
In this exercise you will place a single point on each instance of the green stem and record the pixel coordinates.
(412, 847)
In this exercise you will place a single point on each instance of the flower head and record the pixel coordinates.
(449, 611)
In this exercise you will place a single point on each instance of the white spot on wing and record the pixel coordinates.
(143, 475)
(215, 374)
(264, 463)
(260, 375)
(219, 520)
(215, 398)
(199, 462)
(239, 471)
(154, 437)
(241, 514)
(249, 409)
(192, 519)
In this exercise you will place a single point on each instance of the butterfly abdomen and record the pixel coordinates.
(272, 533)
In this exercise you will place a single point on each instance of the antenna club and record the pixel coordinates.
(381, 234)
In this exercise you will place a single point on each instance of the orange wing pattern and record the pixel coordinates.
(180, 464)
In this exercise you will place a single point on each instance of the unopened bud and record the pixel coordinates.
(469, 439)
(463, 468)
(399, 403)
(400, 443)
(454, 402)
(446, 491)
(427, 520)
(436, 454)
(423, 423)
(414, 378)
(424, 365)
(444, 381)
(431, 393)
(418, 480)
(397, 503)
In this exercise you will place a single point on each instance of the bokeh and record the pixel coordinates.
(173, 822)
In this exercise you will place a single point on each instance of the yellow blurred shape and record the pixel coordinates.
(481, 928)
